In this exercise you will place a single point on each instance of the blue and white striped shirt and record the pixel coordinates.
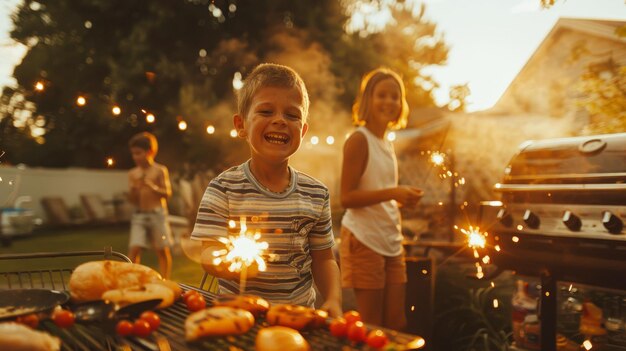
(292, 223)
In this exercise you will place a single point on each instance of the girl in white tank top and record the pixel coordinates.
(371, 196)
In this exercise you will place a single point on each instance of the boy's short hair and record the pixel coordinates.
(145, 141)
(270, 75)
(360, 109)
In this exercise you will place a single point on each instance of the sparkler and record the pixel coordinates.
(241, 252)
(476, 240)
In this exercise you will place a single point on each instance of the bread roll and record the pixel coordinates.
(280, 339)
(18, 337)
(150, 291)
(217, 321)
(253, 304)
(90, 280)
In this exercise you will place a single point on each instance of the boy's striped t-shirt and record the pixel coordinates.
(292, 223)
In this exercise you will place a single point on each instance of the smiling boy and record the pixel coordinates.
(290, 209)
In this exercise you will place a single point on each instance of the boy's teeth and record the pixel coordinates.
(276, 138)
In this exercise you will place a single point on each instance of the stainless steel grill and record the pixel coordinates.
(561, 216)
(170, 335)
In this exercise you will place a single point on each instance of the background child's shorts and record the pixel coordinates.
(362, 268)
(150, 229)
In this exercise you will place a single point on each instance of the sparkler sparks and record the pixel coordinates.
(241, 251)
(476, 240)
(437, 158)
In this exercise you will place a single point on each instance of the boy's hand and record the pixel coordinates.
(333, 307)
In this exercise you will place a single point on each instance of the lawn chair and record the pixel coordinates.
(58, 213)
(97, 210)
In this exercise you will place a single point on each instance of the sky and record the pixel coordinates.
(489, 40)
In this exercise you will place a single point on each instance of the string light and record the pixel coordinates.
(315, 140)
(110, 162)
(391, 136)
(116, 110)
(237, 82)
(330, 140)
(150, 118)
(210, 129)
(39, 86)
(182, 125)
(233, 133)
(81, 101)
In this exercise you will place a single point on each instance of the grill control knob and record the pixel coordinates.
(505, 217)
(572, 221)
(612, 223)
(531, 219)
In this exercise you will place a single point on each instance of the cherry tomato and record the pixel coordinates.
(152, 318)
(357, 331)
(141, 328)
(338, 327)
(63, 318)
(124, 327)
(376, 339)
(31, 320)
(352, 316)
(195, 303)
(189, 293)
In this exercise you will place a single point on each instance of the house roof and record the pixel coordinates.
(605, 29)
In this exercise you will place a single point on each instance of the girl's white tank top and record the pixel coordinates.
(377, 226)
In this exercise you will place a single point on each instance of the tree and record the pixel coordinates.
(603, 95)
(177, 60)
(458, 97)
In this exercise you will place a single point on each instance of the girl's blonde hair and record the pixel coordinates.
(361, 107)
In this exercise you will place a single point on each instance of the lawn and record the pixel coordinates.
(184, 270)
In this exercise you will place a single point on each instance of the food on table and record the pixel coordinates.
(18, 337)
(152, 318)
(63, 318)
(296, 317)
(338, 327)
(279, 338)
(144, 292)
(189, 293)
(254, 304)
(352, 316)
(31, 320)
(91, 280)
(217, 321)
(357, 331)
(195, 303)
(141, 328)
(376, 339)
(124, 327)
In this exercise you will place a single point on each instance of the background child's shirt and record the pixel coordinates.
(292, 223)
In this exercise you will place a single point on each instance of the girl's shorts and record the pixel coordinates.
(362, 268)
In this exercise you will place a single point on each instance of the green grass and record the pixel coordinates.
(184, 270)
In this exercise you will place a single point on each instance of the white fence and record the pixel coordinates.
(18, 183)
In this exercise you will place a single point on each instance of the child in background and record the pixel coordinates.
(150, 187)
(289, 208)
(372, 257)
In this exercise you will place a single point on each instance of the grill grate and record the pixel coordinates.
(169, 336)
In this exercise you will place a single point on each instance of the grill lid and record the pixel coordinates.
(598, 159)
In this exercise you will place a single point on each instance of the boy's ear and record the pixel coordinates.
(305, 128)
(239, 126)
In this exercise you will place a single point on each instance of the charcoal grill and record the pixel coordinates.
(561, 216)
(170, 335)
